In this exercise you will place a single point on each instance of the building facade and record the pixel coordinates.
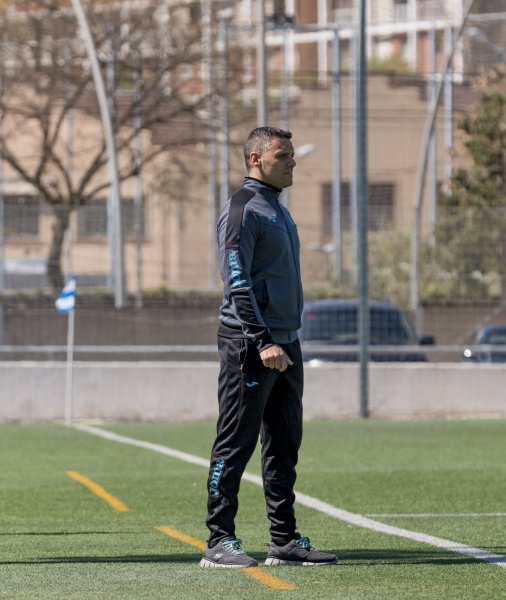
(170, 242)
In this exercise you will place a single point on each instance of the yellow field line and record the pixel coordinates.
(98, 490)
(182, 537)
(269, 580)
(255, 572)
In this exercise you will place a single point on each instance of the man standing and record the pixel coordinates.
(261, 376)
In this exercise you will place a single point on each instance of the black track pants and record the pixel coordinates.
(254, 400)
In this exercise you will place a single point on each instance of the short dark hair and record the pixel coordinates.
(260, 140)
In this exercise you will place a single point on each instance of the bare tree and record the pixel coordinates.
(45, 74)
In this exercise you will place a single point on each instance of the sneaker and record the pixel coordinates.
(298, 552)
(227, 554)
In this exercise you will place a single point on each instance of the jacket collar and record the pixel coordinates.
(270, 187)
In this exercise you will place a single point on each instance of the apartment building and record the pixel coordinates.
(176, 247)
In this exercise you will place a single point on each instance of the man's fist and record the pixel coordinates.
(274, 357)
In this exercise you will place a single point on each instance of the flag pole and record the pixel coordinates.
(70, 364)
(66, 303)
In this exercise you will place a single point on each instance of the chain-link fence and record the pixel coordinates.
(169, 206)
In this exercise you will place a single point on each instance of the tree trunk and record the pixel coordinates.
(54, 268)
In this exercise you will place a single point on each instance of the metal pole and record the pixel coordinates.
(432, 140)
(261, 68)
(336, 155)
(432, 163)
(353, 155)
(285, 100)
(363, 213)
(209, 90)
(224, 154)
(138, 199)
(70, 365)
(119, 292)
(110, 88)
(448, 108)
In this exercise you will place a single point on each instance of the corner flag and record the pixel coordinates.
(66, 301)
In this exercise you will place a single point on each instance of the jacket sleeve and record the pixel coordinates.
(237, 237)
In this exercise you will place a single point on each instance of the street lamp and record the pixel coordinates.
(117, 258)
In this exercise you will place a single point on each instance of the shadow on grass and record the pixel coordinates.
(350, 558)
(413, 557)
(43, 533)
(129, 558)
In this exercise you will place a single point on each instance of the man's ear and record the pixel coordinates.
(254, 159)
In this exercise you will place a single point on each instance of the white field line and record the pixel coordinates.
(433, 515)
(310, 502)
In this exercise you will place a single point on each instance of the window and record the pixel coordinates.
(92, 219)
(381, 206)
(21, 216)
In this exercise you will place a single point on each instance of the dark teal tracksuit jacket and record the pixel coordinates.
(262, 305)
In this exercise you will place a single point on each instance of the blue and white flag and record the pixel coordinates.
(66, 301)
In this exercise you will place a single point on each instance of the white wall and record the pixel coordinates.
(35, 391)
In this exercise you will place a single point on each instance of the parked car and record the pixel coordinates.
(493, 336)
(334, 323)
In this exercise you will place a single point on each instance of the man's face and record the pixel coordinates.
(275, 166)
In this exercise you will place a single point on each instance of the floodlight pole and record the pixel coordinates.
(117, 258)
(362, 213)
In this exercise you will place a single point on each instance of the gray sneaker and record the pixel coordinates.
(298, 552)
(227, 554)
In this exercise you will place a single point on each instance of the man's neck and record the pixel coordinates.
(278, 190)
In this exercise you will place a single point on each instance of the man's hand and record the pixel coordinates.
(274, 357)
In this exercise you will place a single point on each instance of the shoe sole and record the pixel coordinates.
(274, 562)
(209, 564)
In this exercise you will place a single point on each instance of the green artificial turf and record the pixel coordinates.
(59, 539)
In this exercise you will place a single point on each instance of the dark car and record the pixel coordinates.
(334, 324)
(493, 340)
